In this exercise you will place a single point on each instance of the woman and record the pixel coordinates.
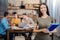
(43, 21)
(16, 20)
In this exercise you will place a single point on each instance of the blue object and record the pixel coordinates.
(4, 26)
(53, 26)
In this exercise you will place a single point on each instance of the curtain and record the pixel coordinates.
(54, 9)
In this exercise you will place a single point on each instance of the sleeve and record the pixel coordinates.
(5, 24)
(32, 22)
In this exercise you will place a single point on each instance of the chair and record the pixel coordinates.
(1, 37)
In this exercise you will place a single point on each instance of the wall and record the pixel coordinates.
(18, 2)
(54, 8)
(3, 6)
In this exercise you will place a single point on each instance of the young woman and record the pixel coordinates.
(16, 20)
(44, 20)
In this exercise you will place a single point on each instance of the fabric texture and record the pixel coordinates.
(43, 23)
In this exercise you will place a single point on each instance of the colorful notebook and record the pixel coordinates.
(53, 26)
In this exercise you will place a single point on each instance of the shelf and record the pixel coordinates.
(31, 6)
(27, 7)
(13, 8)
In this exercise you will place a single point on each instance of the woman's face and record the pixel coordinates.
(43, 9)
(15, 15)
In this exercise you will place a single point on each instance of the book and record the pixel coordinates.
(53, 26)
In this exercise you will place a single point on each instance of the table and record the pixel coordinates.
(17, 31)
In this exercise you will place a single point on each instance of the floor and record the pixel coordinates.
(21, 37)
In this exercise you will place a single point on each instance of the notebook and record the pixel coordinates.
(21, 25)
(53, 26)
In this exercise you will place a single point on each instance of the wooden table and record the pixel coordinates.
(17, 31)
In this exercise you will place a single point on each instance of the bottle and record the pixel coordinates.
(22, 5)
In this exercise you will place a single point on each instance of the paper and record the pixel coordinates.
(15, 27)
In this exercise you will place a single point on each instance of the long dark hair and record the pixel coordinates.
(39, 12)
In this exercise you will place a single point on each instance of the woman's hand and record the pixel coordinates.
(47, 31)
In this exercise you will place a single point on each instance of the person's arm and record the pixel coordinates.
(31, 23)
(35, 28)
